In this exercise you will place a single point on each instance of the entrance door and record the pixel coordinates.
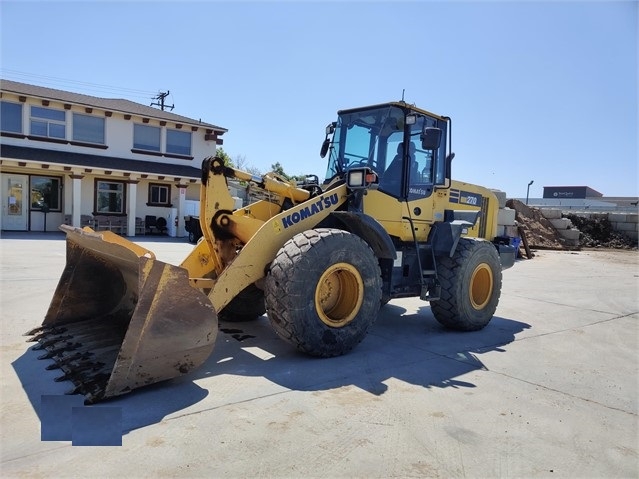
(15, 201)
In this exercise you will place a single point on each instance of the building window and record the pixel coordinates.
(48, 122)
(45, 192)
(178, 142)
(88, 129)
(146, 137)
(11, 117)
(159, 195)
(109, 197)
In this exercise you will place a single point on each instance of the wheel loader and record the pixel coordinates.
(320, 258)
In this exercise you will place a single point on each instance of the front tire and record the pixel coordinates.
(248, 305)
(470, 286)
(323, 291)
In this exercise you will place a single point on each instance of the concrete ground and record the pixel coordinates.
(548, 389)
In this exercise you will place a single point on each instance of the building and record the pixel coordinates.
(570, 192)
(583, 198)
(107, 163)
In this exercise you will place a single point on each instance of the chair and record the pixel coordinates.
(140, 226)
(149, 223)
(102, 223)
(86, 220)
(160, 225)
(392, 177)
(117, 224)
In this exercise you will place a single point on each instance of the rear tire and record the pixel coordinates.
(470, 286)
(323, 291)
(248, 305)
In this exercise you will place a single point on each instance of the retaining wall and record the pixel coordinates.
(628, 224)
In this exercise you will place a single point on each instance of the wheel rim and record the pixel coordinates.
(481, 286)
(339, 295)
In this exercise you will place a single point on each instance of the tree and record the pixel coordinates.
(240, 162)
(279, 169)
(254, 170)
(223, 155)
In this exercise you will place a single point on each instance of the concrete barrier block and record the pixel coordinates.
(571, 234)
(616, 218)
(632, 218)
(507, 230)
(623, 227)
(511, 230)
(561, 223)
(501, 197)
(506, 216)
(551, 213)
(634, 235)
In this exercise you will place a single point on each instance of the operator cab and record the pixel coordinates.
(403, 145)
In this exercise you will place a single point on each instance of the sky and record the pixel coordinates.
(537, 91)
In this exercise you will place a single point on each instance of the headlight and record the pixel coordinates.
(360, 178)
(355, 179)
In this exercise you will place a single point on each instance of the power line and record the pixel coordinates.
(50, 81)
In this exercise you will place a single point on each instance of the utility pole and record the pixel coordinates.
(161, 96)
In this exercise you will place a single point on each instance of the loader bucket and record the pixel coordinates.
(120, 319)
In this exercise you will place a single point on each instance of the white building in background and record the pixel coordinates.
(72, 158)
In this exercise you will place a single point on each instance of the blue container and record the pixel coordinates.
(515, 241)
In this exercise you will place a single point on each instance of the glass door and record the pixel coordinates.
(14, 206)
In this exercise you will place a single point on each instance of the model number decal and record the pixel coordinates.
(465, 198)
(469, 199)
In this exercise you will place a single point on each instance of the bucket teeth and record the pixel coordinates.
(85, 352)
(57, 351)
(42, 344)
(40, 333)
(65, 360)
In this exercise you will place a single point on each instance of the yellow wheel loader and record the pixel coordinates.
(321, 259)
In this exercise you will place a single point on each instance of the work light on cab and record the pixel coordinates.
(360, 178)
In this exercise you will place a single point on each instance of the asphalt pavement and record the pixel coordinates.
(548, 389)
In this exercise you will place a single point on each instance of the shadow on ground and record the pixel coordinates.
(412, 348)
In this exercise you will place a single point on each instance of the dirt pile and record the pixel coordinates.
(540, 232)
(596, 232)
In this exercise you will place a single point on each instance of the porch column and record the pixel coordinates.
(132, 196)
(76, 200)
(181, 207)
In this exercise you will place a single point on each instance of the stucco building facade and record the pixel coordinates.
(108, 163)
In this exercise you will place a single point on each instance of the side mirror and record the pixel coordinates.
(330, 129)
(431, 138)
(324, 148)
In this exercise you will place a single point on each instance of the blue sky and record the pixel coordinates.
(543, 91)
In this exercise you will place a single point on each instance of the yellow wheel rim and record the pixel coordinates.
(339, 295)
(481, 286)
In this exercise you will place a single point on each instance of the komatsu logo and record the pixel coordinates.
(309, 211)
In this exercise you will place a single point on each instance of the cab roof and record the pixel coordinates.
(400, 104)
